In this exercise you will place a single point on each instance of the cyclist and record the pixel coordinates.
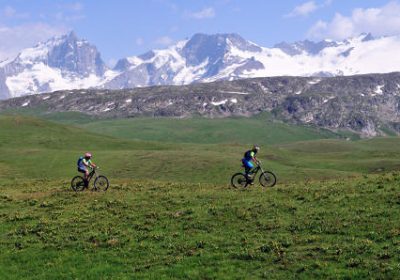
(249, 160)
(85, 162)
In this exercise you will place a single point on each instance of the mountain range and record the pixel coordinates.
(67, 62)
(368, 105)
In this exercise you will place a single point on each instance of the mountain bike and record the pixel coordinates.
(101, 183)
(266, 178)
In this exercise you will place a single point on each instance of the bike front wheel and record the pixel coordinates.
(78, 183)
(101, 183)
(267, 179)
(239, 180)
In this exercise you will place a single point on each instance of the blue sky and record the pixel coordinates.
(122, 28)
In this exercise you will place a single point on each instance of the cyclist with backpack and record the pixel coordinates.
(84, 163)
(249, 160)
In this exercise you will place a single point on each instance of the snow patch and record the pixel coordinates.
(327, 99)
(298, 92)
(235, 92)
(313, 82)
(222, 102)
(46, 97)
(308, 118)
(109, 106)
(234, 100)
(25, 104)
(128, 100)
(378, 90)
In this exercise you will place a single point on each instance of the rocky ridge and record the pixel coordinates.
(366, 104)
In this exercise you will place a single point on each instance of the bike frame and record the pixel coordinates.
(256, 169)
(91, 174)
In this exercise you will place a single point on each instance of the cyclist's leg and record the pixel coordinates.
(248, 166)
(85, 174)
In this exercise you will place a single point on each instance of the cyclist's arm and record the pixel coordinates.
(253, 157)
(92, 165)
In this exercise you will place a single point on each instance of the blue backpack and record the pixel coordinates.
(80, 161)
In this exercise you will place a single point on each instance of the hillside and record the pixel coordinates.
(34, 148)
(364, 104)
(169, 207)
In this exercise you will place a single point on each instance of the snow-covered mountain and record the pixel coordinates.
(67, 62)
(63, 62)
(206, 58)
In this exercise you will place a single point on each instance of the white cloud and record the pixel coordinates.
(69, 12)
(164, 40)
(10, 12)
(203, 14)
(380, 21)
(307, 8)
(304, 9)
(15, 38)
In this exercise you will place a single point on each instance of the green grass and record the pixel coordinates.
(35, 148)
(260, 129)
(170, 213)
(144, 229)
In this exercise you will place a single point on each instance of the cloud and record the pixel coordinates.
(202, 14)
(69, 12)
(10, 12)
(75, 7)
(307, 8)
(61, 16)
(379, 21)
(15, 38)
(164, 40)
(304, 9)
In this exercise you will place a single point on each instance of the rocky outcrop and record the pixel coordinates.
(366, 104)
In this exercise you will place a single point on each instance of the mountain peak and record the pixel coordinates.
(75, 55)
(212, 47)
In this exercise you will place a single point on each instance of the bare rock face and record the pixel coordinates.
(366, 104)
(77, 56)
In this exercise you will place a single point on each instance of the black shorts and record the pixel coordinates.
(81, 170)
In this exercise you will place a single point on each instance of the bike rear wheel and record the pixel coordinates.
(78, 184)
(101, 183)
(267, 179)
(239, 180)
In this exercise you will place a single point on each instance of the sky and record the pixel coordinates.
(121, 28)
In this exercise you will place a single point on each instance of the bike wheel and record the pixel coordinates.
(239, 180)
(267, 179)
(101, 183)
(78, 183)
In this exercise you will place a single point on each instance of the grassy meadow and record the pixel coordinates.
(170, 213)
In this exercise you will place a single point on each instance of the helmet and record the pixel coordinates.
(256, 147)
(88, 155)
